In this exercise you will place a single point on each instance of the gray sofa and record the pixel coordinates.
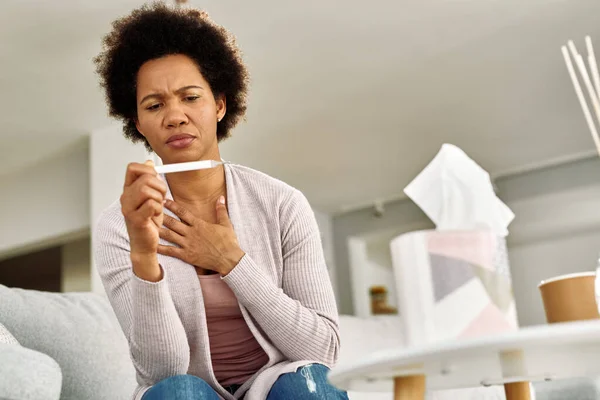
(70, 346)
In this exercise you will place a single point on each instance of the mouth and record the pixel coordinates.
(180, 141)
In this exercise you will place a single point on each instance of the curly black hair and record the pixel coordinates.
(156, 30)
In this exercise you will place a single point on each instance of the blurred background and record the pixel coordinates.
(349, 101)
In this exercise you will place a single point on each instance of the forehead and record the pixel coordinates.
(169, 72)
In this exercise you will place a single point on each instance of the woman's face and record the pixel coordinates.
(177, 111)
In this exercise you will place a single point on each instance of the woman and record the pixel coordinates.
(217, 276)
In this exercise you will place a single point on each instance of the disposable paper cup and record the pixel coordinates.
(570, 297)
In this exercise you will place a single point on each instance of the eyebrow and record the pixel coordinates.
(183, 89)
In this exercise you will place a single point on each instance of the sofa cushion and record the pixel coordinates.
(27, 374)
(80, 332)
(6, 336)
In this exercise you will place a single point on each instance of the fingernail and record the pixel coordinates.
(222, 200)
(149, 162)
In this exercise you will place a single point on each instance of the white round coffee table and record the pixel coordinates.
(514, 359)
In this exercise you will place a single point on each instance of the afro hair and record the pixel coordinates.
(156, 30)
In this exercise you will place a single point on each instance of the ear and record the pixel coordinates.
(221, 103)
(137, 126)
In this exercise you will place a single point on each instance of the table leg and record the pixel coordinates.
(517, 391)
(409, 388)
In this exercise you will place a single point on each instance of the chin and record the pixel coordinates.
(191, 153)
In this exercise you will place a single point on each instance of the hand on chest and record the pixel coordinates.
(200, 236)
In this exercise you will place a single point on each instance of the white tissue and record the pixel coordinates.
(457, 194)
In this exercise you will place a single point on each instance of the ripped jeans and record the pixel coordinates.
(307, 383)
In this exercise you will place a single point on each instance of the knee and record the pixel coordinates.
(184, 380)
(181, 387)
(309, 382)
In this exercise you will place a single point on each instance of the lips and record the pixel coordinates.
(180, 141)
(182, 136)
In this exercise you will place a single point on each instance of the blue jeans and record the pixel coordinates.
(308, 383)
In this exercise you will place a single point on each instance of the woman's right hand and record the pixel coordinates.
(142, 207)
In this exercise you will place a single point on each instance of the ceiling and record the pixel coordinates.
(349, 100)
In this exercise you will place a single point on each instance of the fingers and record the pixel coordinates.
(149, 209)
(151, 181)
(170, 251)
(146, 186)
(222, 215)
(183, 213)
(171, 237)
(135, 170)
(175, 225)
(138, 193)
(158, 221)
(154, 182)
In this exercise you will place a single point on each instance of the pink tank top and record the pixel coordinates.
(236, 355)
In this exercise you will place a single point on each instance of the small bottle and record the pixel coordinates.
(379, 301)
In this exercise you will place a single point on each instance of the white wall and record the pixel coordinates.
(536, 261)
(46, 203)
(58, 201)
(556, 230)
(76, 264)
(371, 265)
(399, 217)
(380, 262)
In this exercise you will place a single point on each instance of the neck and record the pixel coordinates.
(200, 187)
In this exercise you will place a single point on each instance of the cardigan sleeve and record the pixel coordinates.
(301, 317)
(157, 340)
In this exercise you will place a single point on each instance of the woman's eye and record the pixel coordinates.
(153, 107)
(192, 98)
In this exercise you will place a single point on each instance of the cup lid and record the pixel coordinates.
(567, 276)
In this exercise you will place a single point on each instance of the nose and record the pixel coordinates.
(175, 118)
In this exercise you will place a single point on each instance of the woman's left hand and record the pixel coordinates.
(200, 243)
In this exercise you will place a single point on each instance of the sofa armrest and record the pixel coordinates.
(27, 374)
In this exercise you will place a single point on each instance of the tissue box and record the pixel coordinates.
(452, 285)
